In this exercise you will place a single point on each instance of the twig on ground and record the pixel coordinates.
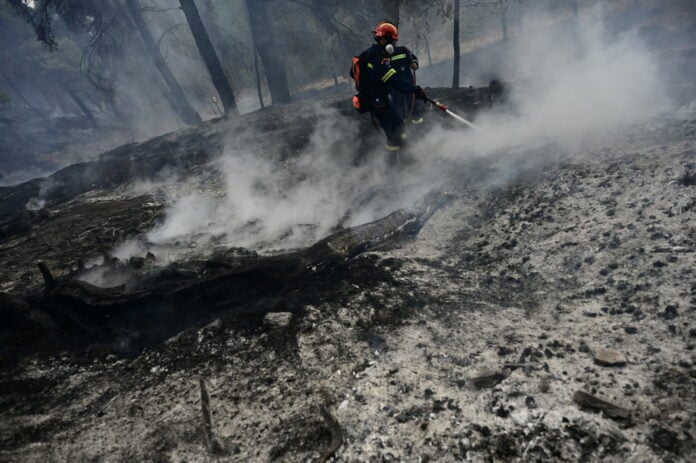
(336, 435)
(213, 444)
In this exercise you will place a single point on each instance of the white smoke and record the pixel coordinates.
(566, 90)
(263, 203)
(567, 86)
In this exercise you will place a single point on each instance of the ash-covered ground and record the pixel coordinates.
(523, 293)
(469, 341)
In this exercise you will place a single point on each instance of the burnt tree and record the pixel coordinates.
(26, 102)
(257, 74)
(80, 104)
(392, 9)
(177, 99)
(265, 43)
(455, 43)
(503, 6)
(210, 57)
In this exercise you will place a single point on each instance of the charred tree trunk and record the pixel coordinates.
(258, 75)
(151, 70)
(427, 49)
(503, 23)
(178, 99)
(324, 12)
(80, 104)
(112, 106)
(4, 98)
(212, 62)
(455, 43)
(263, 38)
(503, 7)
(392, 9)
(24, 100)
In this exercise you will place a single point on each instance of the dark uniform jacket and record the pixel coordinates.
(401, 60)
(378, 76)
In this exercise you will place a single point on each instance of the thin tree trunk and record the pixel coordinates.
(503, 23)
(26, 102)
(207, 51)
(268, 52)
(455, 43)
(113, 107)
(258, 76)
(80, 104)
(151, 71)
(178, 101)
(427, 49)
(392, 9)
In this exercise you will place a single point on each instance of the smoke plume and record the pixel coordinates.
(568, 87)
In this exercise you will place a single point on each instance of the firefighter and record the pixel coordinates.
(376, 78)
(405, 63)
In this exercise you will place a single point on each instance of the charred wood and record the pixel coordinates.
(336, 435)
(48, 277)
(212, 442)
(589, 402)
(193, 293)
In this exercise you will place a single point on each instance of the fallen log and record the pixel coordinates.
(589, 402)
(336, 435)
(212, 442)
(192, 293)
(269, 271)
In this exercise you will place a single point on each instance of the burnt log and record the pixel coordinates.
(48, 277)
(212, 442)
(589, 402)
(173, 284)
(336, 435)
(189, 294)
(188, 148)
(114, 168)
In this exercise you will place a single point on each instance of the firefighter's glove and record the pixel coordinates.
(420, 94)
(414, 65)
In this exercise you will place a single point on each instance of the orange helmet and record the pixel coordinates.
(386, 29)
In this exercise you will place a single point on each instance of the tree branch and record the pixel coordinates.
(167, 31)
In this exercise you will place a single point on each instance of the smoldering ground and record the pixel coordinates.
(566, 91)
(567, 88)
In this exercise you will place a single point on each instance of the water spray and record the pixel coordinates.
(449, 112)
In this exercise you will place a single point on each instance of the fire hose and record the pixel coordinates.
(449, 112)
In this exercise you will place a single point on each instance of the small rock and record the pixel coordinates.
(213, 326)
(530, 402)
(487, 378)
(137, 262)
(609, 357)
(503, 351)
(687, 178)
(670, 313)
(277, 320)
(667, 439)
(590, 402)
(630, 329)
